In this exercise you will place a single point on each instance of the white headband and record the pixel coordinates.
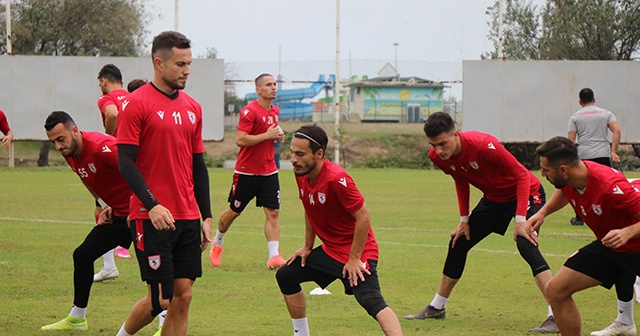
(310, 139)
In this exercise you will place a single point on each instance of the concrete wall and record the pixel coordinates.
(33, 86)
(532, 101)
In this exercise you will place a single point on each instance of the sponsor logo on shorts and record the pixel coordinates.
(237, 203)
(155, 262)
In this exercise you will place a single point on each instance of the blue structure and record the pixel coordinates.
(290, 103)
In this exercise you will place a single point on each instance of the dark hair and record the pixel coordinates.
(559, 151)
(58, 117)
(438, 123)
(111, 73)
(166, 41)
(135, 84)
(586, 95)
(261, 77)
(316, 136)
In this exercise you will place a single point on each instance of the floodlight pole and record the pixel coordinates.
(176, 11)
(336, 95)
(396, 64)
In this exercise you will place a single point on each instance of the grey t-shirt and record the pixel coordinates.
(591, 125)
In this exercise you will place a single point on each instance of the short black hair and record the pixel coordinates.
(111, 73)
(586, 95)
(58, 117)
(260, 77)
(316, 136)
(166, 41)
(135, 84)
(559, 151)
(438, 123)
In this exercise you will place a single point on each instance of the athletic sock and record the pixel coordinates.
(625, 312)
(109, 260)
(122, 332)
(273, 246)
(78, 313)
(300, 327)
(549, 311)
(161, 317)
(439, 301)
(219, 239)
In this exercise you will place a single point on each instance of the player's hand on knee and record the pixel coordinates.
(461, 230)
(105, 216)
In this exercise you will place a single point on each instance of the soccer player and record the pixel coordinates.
(510, 190)
(610, 206)
(161, 157)
(334, 212)
(110, 105)
(6, 130)
(94, 157)
(134, 84)
(256, 174)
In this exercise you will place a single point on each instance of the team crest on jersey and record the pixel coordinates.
(106, 149)
(92, 168)
(155, 262)
(597, 209)
(160, 114)
(192, 117)
(322, 198)
(474, 165)
(237, 203)
(491, 146)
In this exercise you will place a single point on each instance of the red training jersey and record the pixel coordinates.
(4, 124)
(488, 166)
(257, 159)
(115, 97)
(97, 167)
(329, 203)
(167, 132)
(608, 203)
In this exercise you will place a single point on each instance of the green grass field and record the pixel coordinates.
(45, 213)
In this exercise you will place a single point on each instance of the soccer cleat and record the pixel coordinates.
(616, 328)
(576, 221)
(276, 261)
(547, 327)
(106, 274)
(67, 323)
(159, 332)
(215, 255)
(122, 253)
(427, 313)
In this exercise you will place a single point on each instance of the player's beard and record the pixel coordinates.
(558, 184)
(309, 169)
(71, 149)
(176, 84)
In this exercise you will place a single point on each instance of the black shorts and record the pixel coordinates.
(603, 264)
(266, 190)
(168, 254)
(109, 236)
(323, 270)
(488, 217)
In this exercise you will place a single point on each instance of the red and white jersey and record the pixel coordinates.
(97, 167)
(329, 203)
(4, 124)
(257, 159)
(488, 166)
(608, 203)
(115, 97)
(167, 132)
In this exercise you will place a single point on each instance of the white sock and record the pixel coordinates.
(219, 239)
(161, 317)
(300, 327)
(122, 332)
(625, 312)
(109, 260)
(273, 246)
(439, 301)
(78, 312)
(549, 311)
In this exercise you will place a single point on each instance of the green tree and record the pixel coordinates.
(77, 27)
(567, 30)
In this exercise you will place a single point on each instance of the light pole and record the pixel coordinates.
(396, 64)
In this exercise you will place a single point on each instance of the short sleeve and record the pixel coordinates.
(130, 122)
